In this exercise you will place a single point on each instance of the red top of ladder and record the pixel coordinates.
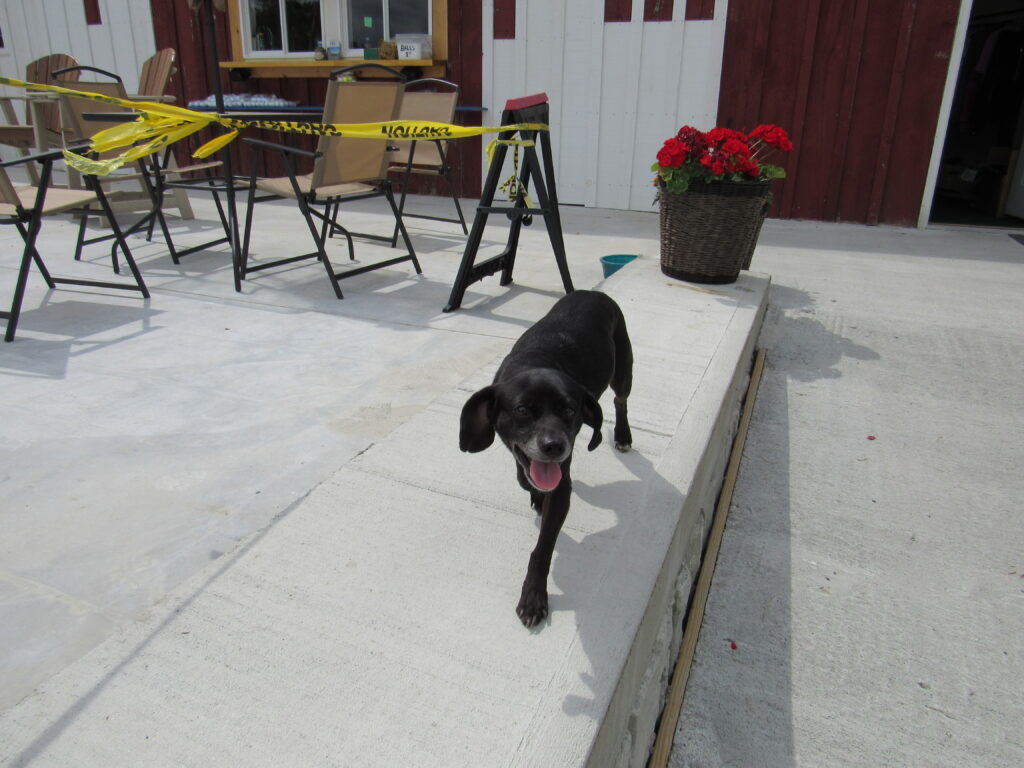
(526, 101)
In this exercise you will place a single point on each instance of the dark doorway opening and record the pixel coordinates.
(981, 174)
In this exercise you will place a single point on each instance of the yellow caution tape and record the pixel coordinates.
(160, 125)
(512, 186)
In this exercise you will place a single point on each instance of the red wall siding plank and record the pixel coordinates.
(658, 10)
(866, 108)
(618, 10)
(825, 70)
(851, 79)
(699, 10)
(504, 19)
(465, 67)
(892, 106)
(929, 57)
(92, 12)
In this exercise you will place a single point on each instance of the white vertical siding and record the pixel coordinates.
(617, 91)
(35, 28)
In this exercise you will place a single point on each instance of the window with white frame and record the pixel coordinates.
(294, 28)
(367, 22)
(275, 28)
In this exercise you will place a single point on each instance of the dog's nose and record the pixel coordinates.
(552, 447)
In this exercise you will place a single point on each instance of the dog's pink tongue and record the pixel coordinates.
(546, 475)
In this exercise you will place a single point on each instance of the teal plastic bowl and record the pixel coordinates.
(612, 264)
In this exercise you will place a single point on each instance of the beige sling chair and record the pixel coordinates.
(427, 99)
(344, 169)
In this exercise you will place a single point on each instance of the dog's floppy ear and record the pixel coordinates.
(592, 417)
(476, 427)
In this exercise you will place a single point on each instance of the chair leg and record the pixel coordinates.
(247, 228)
(335, 226)
(37, 258)
(81, 236)
(401, 226)
(320, 242)
(405, 189)
(120, 240)
(28, 255)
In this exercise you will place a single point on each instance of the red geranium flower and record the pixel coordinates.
(773, 136)
(719, 154)
(672, 154)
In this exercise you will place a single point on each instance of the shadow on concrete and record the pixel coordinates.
(77, 321)
(739, 701)
(811, 350)
(570, 566)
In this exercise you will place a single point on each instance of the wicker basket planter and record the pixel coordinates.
(708, 233)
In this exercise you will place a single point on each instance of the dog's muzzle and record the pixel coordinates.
(545, 472)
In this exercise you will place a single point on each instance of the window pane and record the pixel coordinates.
(365, 23)
(302, 17)
(265, 25)
(408, 17)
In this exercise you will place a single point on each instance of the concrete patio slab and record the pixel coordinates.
(242, 531)
(874, 588)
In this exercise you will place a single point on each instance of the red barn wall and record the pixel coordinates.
(858, 84)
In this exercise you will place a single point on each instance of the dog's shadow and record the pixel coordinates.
(578, 594)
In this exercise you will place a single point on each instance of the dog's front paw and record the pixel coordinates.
(533, 606)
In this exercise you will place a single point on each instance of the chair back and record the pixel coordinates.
(434, 105)
(156, 73)
(344, 160)
(73, 108)
(41, 71)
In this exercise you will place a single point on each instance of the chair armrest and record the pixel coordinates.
(50, 154)
(40, 157)
(272, 146)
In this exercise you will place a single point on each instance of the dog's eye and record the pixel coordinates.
(521, 410)
(570, 412)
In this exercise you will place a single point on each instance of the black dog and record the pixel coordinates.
(545, 390)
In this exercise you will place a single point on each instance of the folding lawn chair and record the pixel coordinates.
(148, 176)
(24, 207)
(344, 170)
(435, 100)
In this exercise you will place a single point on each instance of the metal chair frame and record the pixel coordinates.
(419, 108)
(151, 172)
(339, 176)
(27, 218)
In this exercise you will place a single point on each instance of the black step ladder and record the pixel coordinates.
(528, 109)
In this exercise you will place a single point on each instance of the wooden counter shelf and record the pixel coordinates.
(321, 68)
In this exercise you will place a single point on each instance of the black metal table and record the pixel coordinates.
(228, 183)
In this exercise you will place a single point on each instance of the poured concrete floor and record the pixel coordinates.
(872, 587)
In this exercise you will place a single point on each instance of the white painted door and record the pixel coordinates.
(617, 90)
